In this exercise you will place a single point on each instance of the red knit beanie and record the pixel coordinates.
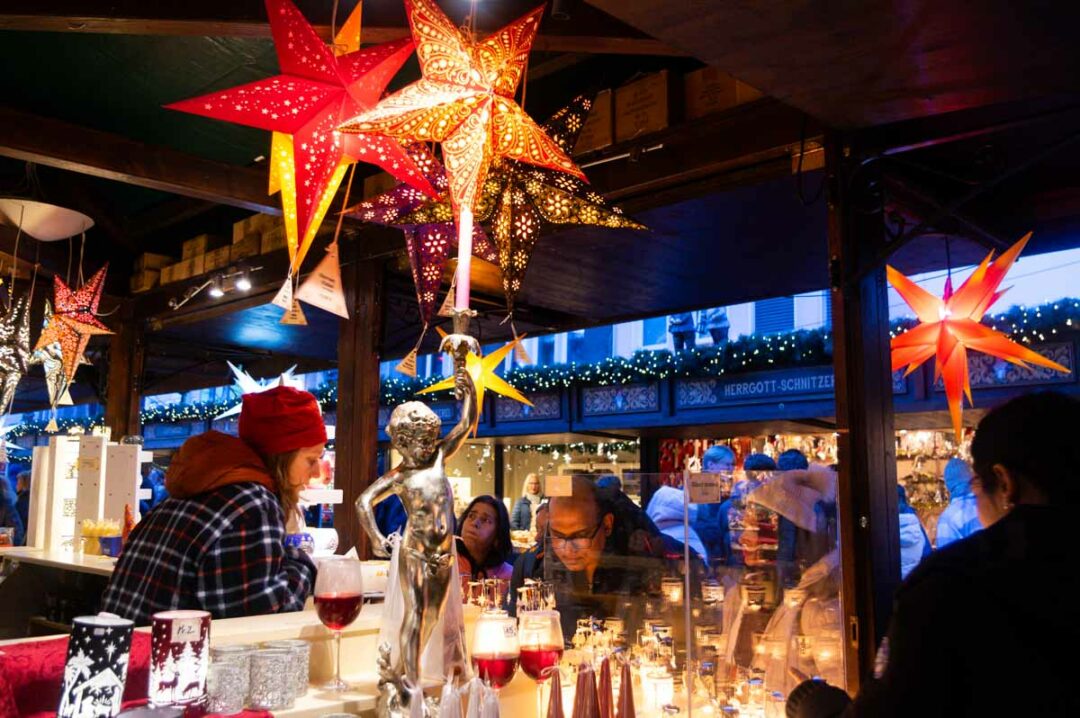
(281, 419)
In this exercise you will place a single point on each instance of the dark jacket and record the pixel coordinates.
(521, 518)
(987, 626)
(10, 517)
(22, 508)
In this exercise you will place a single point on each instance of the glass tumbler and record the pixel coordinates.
(239, 654)
(301, 663)
(225, 687)
(268, 690)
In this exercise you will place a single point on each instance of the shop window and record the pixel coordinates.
(772, 316)
(654, 333)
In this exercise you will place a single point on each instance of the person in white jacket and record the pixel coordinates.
(914, 543)
(666, 511)
(960, 518)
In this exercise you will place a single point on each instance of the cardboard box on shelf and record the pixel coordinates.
(708, 90)
(145, 280)
(599, 129)
(197, 246)
(149, 260)
(272, 239)
(246, 247)
(641, 107)
(217, 258)
(184, 269)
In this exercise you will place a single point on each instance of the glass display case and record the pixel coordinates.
(708, 595)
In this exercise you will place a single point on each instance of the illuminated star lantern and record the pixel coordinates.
(51, 359)
(315, 92)
(247, 384)
(428, 241)
(14, 350)
(519, 202)
(74, 320)
(482, 371)
(465, 101)
(951, 325)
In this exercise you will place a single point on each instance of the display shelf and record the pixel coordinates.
(66, 560)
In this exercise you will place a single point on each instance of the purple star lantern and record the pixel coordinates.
(429, 243)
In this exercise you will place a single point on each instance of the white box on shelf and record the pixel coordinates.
(39, 498)
(62, 495)
(123, 477)
(90, 497)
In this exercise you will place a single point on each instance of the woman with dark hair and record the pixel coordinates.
(986, 625)
(484, 547)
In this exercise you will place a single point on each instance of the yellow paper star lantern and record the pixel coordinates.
(482, 371)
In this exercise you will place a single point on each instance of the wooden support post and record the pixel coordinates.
(358, 396)
(869, 528)
(123, 396)
(500, 470)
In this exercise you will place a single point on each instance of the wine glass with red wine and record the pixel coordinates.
(495, 648)
(540, 641)
(338, 598)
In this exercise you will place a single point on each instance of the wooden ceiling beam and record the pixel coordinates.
(59, 144)
(591, 44)
(676, 164)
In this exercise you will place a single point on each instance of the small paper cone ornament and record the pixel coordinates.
(284, 296)
(951, 325)
(323, 288)
(407, 365)
(585, 703)
(295, 315)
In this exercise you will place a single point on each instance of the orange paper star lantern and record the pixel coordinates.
(951, 325)
(74, 320)
(465, 100)
(482, 371)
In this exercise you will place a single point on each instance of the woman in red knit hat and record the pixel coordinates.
(217, 543)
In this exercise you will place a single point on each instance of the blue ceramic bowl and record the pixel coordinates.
(110, 545)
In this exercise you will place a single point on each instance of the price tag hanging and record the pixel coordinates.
(295, 315)
(323, 288)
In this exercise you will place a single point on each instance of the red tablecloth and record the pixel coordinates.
(31, 674)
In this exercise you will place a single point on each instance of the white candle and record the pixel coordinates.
(465, 232)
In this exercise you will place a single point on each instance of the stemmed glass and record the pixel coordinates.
(495, 650)
(339, 597)
(540, 641)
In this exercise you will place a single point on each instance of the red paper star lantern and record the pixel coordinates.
(74, 320)
(952, 325)
(315, 92)
(465, 101)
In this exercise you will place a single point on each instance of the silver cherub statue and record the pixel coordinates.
(426, 555)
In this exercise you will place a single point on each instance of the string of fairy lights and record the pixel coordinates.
(813, 347)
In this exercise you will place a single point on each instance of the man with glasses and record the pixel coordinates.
(594, 574)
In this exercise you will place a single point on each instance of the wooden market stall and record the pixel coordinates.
(920, 140)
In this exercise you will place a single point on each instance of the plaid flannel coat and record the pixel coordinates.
(222, 551)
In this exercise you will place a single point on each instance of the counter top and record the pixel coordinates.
(67, 560)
